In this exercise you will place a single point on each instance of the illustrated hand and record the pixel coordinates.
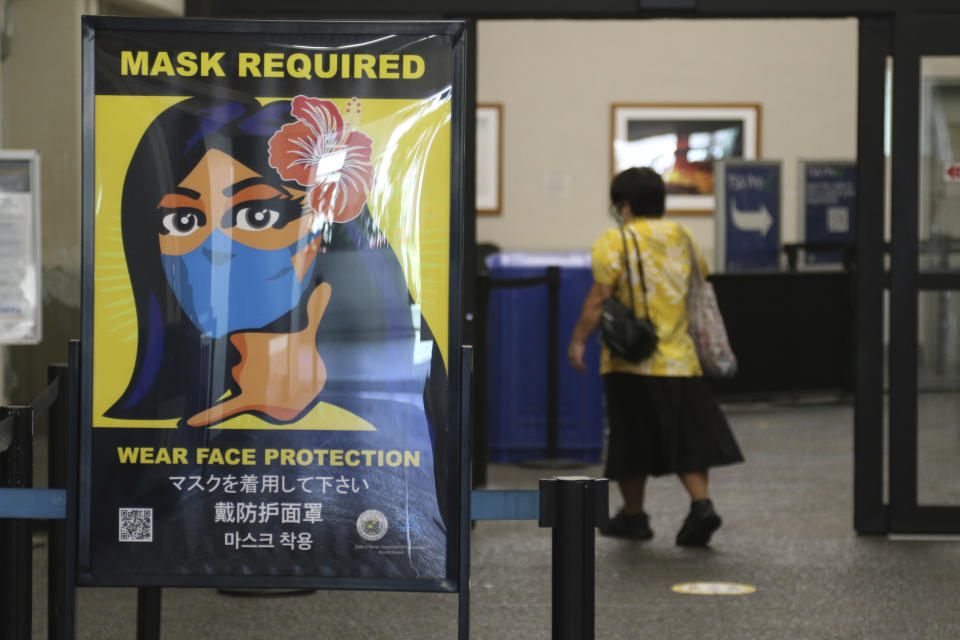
(575, 355)
(279, 374)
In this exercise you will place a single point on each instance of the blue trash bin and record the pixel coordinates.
(517, 361)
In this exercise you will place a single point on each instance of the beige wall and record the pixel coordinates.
(557, 80)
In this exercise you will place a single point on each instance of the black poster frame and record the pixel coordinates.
(458, 364)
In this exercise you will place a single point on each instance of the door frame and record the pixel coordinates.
(870, 510)
(915, 35)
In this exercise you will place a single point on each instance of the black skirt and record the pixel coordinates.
(660, 425)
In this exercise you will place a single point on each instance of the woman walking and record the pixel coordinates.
(661, 413)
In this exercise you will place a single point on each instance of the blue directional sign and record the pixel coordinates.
(827, 208)
(748, 215)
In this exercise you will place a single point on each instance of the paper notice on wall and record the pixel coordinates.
(18, 268)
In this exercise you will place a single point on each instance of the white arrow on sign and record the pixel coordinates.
(752, 220)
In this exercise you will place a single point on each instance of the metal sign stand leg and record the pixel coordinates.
(463, 601)
(148, 613)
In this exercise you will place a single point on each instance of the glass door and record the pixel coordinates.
(925, 278)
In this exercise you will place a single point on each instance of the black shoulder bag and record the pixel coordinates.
(628, 337)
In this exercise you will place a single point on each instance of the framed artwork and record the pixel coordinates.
(682, 142)
(489, 157)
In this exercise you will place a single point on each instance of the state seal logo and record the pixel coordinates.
(372, 525)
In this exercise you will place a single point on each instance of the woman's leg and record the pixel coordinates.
(631, 522)
(695, 482)
(702, 520)
(632, 490)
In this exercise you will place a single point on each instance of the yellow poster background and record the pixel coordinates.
(409, 199)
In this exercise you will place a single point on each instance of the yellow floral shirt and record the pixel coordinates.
(665, 251)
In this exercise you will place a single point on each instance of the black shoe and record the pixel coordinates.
(624, 525)
(700, 524)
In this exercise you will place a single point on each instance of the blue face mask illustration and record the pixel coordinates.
(226, 286)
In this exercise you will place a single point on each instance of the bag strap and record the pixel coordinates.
(643, 281)
(694, 263)
(626, 264)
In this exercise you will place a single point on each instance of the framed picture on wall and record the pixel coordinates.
(681, 142)
(489, 157)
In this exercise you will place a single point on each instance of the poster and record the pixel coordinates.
(748, 215)
(21, 304)
(828, 209)
(268, 216)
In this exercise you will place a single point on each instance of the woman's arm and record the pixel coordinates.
(587, 323)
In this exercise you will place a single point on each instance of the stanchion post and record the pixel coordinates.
(553, 363)
(573, 506)
(463, 603)
(16, 552)
(61, 588)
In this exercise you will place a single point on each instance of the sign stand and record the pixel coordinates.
(463, 597)
(148, 613)
(293, 324)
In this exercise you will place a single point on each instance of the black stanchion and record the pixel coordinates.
(552, 459)
(61, 585)
(573, 506)
(16, 575)
(148, 613)
(553, 363)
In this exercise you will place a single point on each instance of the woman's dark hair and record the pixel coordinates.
(642, 188)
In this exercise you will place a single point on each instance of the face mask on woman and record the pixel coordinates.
(615, 214)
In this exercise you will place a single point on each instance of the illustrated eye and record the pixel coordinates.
(181, 222)
(255, 218)
(258, 215)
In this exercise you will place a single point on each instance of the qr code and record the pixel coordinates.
(136, 525)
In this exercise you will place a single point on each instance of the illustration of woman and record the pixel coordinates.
(263, 286)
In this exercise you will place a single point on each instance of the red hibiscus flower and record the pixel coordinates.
(322, 153)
